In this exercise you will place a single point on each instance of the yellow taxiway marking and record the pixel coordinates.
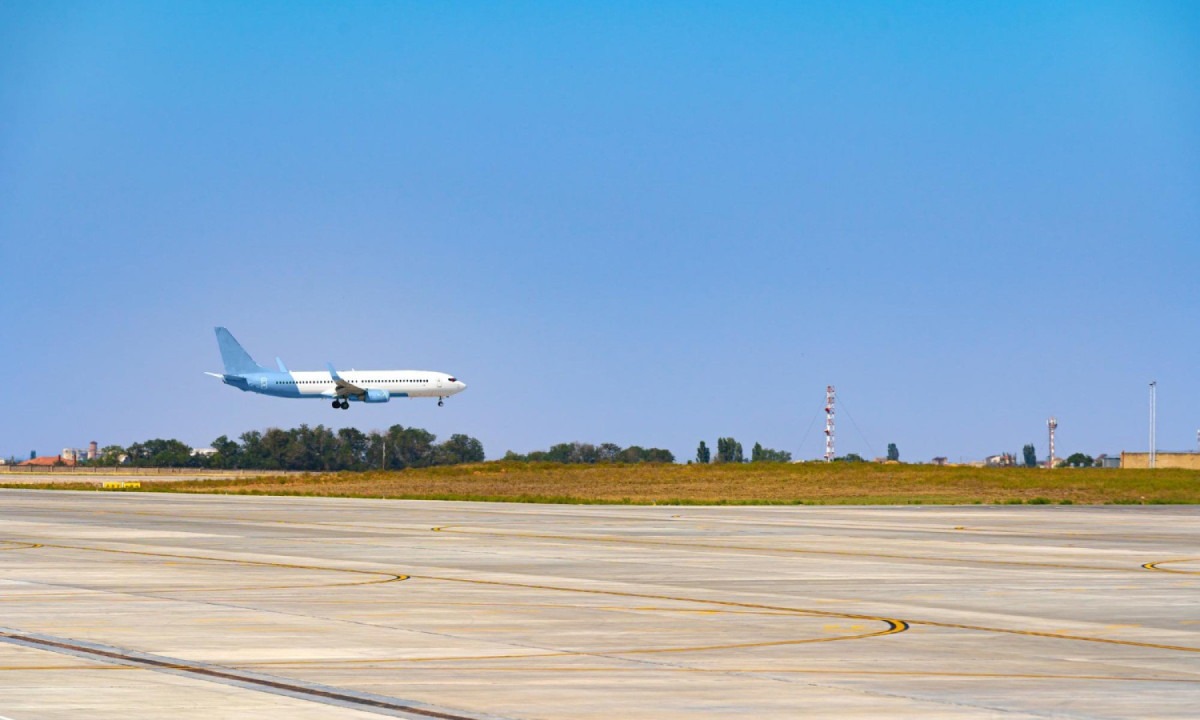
(381, 576)
(776, 550)
(508, 667)
(14, 545)
(894, 625)
(1155, 566)
(43, 668)
(897, 624)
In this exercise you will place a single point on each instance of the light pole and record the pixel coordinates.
(1153, 421)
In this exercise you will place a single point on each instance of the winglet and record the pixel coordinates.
(282, 367)
(333, 373)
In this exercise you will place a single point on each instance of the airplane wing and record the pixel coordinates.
(343, 388)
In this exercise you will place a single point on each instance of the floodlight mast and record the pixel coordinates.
(830, 398)
(1153, 423)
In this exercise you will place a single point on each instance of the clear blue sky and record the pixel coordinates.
(647, 223)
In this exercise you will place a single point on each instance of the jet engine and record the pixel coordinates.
(377, 396)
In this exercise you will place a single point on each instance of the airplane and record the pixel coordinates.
(368, 386)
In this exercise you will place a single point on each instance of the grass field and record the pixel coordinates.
(755, 483)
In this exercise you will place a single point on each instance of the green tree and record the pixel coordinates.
(850, 457)
(584, 453)
(762, 454)
(633, 454)
(459, 449)
(351, 452)
(893, 452)
(409, 447)
(729, 451)
(160, 453)
(587, 453)
(227, 455)
(252, 454)
(658, 455)
(610, 452)
(274, 446)
(703, 454)
(1030, 454)
(110, 455)
(560, 453)
(1080, 460)
(297, 451)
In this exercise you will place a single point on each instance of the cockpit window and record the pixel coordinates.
(453, 379)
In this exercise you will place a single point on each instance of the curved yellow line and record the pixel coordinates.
(778, 550)
(382, 577)
(608, 669)
(19, 545)
(894, 625)
(1155, 566)
(1057, 636)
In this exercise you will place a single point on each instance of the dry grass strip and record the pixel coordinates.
(751, 483)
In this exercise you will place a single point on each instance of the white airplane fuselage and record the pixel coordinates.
(321, 385)
(368, 386)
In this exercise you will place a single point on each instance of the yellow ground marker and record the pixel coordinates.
(120, 485)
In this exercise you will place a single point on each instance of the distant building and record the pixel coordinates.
(939, 461)
(1184, 460)
(73, 455)
(1107, 461)
(48, 461)
(203, 452)
(1001, 460)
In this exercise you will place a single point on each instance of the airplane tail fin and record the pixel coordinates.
(237, 360)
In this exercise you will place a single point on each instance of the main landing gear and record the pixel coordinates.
(343, 404)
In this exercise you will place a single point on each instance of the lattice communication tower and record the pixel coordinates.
(1052, 424)
(830, 398)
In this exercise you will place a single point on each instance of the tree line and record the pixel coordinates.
(304, 448)
(587, 453)
(730, 451)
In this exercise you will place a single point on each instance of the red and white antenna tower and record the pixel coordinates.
(830, 397)
(1052, 424)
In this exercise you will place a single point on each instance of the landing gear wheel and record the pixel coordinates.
(336, 404)
(345, 404)
(440, 403)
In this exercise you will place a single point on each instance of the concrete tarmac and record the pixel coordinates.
(141, 605)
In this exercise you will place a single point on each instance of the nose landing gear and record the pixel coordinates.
(440, 402)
